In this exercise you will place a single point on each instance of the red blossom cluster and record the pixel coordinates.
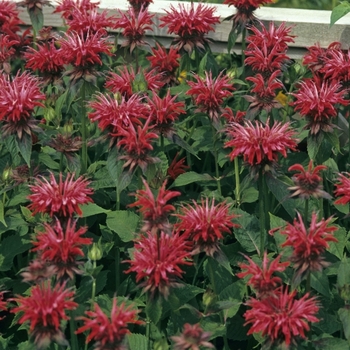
(190, 25)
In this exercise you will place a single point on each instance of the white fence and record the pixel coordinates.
(310, 26)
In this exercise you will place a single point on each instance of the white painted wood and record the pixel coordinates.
(310, 26)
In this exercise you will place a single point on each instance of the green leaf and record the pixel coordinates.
(250, 195)
(48, 161)
(137, 341)
(27, 214)
(25, 147)
(60, 103)
(9, 248)
(314, 143)
(279, 188)
(339, 11)
(37, 18)
(183, 144)
(124, 223)
(121, 178)
(4, 343)
(218, 275)
(337, 248)
(344, 315)
(248, 235)
(232, 37)
(320, 283)
(276, 224)
(343, 272)
(154, 309)
(91, 209)
(203, 65)
(330, 343)
(234, 293)
(190, 177)
(2, 216)
(26, 346)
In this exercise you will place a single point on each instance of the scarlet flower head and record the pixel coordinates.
(190, 24)
(18, 100)
(261, 144)
(127, 82)
(134, 25)
(62, 199)
(281, 317)
(342, 191)
(45, 308)
(61, 246)
(308, 183)
(137, 5)
(262, 278)
(165, 62)
(316, 99)
(308, 244)
(113, 114)
(108, 332)
(245, 12)
(192, 338)
(164, 111)
(209, 94)
(157, 260)
(68, 7)
(177, 167)
(90, 21)
(136, 142)
(84, 51)
(155, 210)
(264, 90)
(46, 58)
(7, 51)
(204, 224)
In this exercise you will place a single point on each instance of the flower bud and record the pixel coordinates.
(96, 252)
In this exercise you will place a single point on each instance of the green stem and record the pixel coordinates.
(93, 291)
(117, 266)
(212, 281)
(72, 327)
(83, 130)
(61, 162)
(308, 282)
(238, 184)
(262, 210)
(215, 151)
(117, 199)
(244, 34)
(148, 327)
(306, 214)
(320, 215)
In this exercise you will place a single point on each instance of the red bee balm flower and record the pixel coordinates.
(262, 279)
(177, 167)
(281, 317)
(60, 247)
(109, 332)
(83, 52)
(165, 62)
(316, 100)
(18, 99)
(209, 93)
(308, 182)
(192, 338)
(164, 111)
(155, 210)
(60, 199)
(205, 224)
(136, 143)
(343, 189)
(45, 308)
(134, 25)
(260, 144)
(157, 259)
(190, 25)
(309, 244)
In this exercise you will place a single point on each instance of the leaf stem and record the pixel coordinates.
(83, 130)
(238, 184)
(215, 151)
